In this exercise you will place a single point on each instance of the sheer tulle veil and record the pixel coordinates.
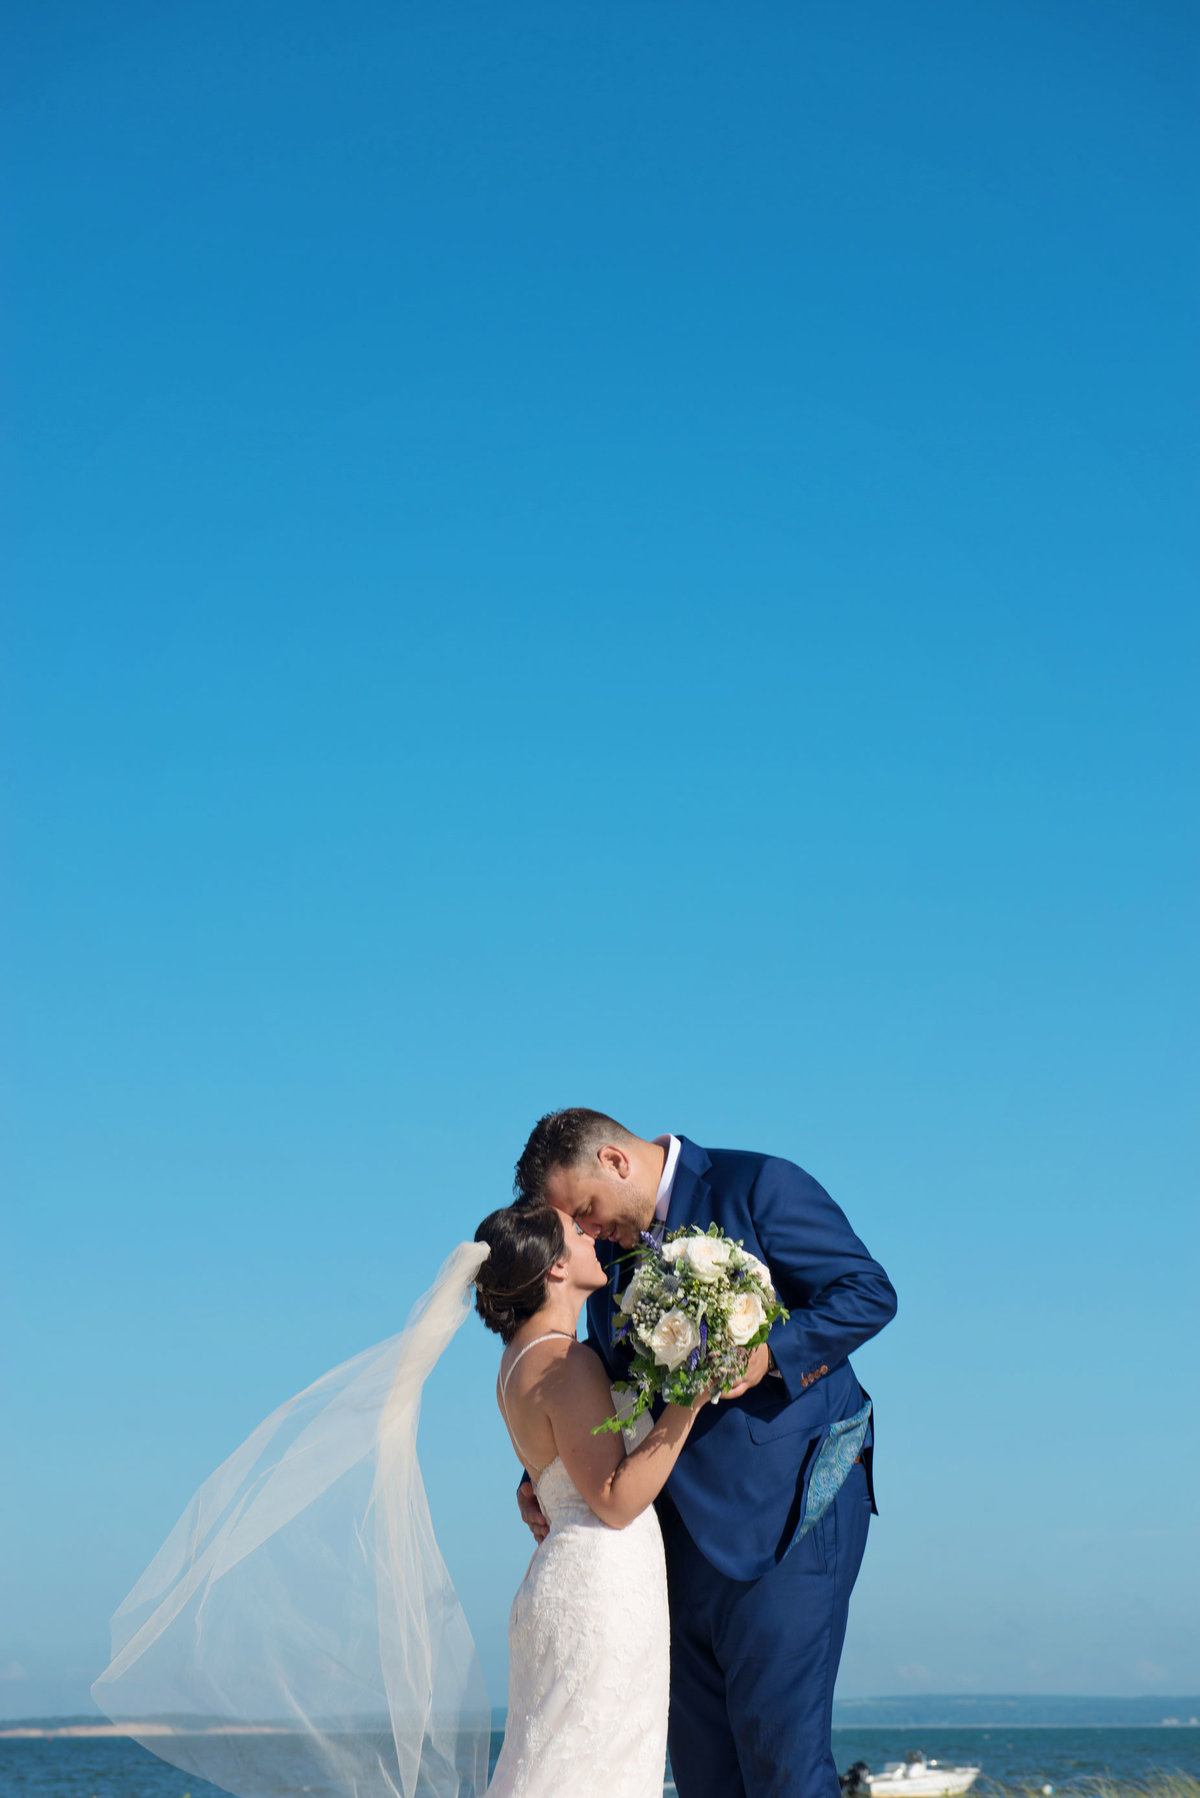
(298, 1630)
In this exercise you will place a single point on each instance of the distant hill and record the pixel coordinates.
(986, 1712)
(944, 1712)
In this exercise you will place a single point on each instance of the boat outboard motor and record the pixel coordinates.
(856, 1779)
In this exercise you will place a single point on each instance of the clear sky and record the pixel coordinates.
(635, 555)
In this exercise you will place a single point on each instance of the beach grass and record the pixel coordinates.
(1154, 1785)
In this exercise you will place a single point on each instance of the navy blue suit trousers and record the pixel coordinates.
(753, 1662)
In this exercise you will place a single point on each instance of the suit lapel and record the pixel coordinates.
(690, 1204)
(690, 1195)
(600, 1305)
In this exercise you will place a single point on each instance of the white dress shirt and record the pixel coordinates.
(662, 1202)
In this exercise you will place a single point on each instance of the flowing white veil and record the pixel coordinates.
(298, 1630)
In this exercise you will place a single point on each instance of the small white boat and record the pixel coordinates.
(913, 1777)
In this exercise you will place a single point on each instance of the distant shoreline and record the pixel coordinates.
(935, 1712)
(52, 1732)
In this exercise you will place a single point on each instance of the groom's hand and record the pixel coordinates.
(531, 1512)
(756, 1368)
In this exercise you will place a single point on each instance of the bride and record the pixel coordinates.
(298, 1631)
(588, 1633)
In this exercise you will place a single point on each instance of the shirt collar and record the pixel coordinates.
(662, 1202)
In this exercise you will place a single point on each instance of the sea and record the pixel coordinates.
(1010, 1757)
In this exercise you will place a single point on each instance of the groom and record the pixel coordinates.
(765, 1517)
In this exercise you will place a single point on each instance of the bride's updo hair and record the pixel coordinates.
(511, 1284)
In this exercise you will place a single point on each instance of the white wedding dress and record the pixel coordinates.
(588, 1644)
(298, 1630)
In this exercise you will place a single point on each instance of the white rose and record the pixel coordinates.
(706, 1256)
(746, 1315)
(759, 1269)
(674, 1338)
(673, 1250)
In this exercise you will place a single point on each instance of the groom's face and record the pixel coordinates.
(605, 1197)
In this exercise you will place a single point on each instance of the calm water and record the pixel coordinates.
(79, 1768)
(1030, 1756)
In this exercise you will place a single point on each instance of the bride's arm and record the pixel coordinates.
(576, 1397)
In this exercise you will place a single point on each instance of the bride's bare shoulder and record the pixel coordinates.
(526, 1358)
(577, 1370)
(552, 1361)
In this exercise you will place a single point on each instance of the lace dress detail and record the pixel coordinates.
(588, 1646)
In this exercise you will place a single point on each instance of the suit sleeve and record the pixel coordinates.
(837, 1294)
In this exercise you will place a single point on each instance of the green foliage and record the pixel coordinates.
(1154, 1785)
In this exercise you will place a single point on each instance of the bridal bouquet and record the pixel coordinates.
(696, 1305)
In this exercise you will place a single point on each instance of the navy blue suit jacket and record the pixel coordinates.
(741, 1480)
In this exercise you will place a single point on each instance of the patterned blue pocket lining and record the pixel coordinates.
(835, 1457)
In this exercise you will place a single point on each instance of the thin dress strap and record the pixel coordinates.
(506, 1377)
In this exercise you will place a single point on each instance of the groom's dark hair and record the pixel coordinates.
(562, 1139)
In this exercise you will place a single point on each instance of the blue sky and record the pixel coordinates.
(624, 555)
